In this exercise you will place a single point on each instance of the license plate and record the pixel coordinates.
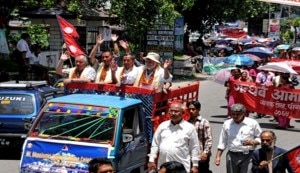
(4, 142)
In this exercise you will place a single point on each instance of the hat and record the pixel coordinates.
(152, 56)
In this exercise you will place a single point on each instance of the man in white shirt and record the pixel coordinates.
(127, 74)
(24, 54)
(175, 140)
(82, 72)
(152, 75)
(23, 46)
(107, 68)
(240, 135)
(265, 78)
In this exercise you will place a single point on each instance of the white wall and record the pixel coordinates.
(50, 58)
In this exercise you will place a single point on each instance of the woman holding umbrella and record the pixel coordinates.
(236, 74)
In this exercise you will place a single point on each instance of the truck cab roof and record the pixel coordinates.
(103, 100)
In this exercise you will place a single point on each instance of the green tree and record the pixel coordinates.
(38, 35)
(285, 28)
(135, 15)
(138, 15)
(206, 13)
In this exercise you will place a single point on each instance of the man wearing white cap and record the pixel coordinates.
(152, 75)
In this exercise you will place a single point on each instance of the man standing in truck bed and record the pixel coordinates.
(175, 140)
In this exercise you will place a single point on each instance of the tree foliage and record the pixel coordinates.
(206, 13)
(138, 15)
(135, 15)
(285, 28)
(38, 35)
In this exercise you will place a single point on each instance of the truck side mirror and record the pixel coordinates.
(127, 135)
(27, 123)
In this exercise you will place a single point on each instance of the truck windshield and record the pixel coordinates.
(77, 122)
(16, 104)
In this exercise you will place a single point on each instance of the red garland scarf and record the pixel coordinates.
(144, 80)
(103, 73)
(76, 74)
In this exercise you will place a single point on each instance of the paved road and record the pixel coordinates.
(214, 109)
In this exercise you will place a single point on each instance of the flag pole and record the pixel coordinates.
(280, 155)
(269, 161)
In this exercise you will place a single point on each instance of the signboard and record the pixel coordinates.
(179, 33)
(265, 25)
(274, 28)
(44, 156)
(160, 39)
(106, 34)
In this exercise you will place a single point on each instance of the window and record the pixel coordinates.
(77, 122)
(16, 104)
(132, 120)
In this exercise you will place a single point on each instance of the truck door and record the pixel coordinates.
(133, 153)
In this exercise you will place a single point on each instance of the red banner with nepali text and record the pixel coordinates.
(267, 100)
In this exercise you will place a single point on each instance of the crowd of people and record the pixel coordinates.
(262, 77)
(186, 144)
(104, 69)
(28, 58)
(181, 146)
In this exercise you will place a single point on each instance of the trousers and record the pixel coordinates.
(237, 162)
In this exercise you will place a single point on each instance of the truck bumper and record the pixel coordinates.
(12, 139)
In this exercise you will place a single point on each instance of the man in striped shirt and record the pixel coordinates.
(204, 133)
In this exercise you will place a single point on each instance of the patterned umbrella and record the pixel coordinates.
(210, 69)
(283, 46)
(253, 57)
(261, 52)
(239, 59)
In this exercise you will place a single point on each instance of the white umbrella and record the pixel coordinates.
(278, 67)
(223, 75)
(296, 49)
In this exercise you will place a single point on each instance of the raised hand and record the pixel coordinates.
(100, 39)
(114, 37)
(113, 66)
(65, 56)
(167, 63)
(123, 78)
(124, 44)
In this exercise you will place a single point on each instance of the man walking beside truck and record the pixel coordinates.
(175, 140)
(204, 135)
